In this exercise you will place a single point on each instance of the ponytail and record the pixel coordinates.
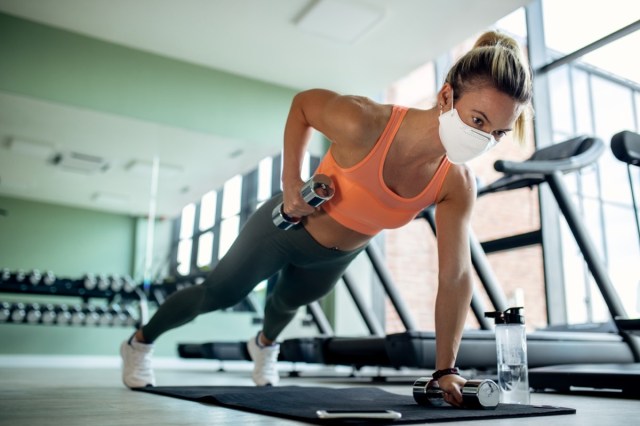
(496, 60)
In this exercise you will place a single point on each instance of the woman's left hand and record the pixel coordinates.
(451, 385)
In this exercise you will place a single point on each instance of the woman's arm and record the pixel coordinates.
(455, 283)
(340, 118)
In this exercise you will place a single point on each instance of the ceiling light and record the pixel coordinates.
(30, 148)
(339, 20)
(144, 168)
(109, 198)
(80, 163)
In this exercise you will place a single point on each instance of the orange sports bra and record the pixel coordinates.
(362, 201)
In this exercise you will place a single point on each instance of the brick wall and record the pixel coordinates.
(411, 253)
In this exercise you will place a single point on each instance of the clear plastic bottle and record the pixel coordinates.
(511, 348)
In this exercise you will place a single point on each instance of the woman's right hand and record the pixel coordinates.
(293, 204)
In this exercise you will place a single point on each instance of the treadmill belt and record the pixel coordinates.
(301, 403)
(564, 378)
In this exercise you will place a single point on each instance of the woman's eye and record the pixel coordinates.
(477, 121)
(499, 134)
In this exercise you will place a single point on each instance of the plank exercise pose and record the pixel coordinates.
(387, 163)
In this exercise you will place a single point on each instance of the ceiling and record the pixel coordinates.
(360, 48)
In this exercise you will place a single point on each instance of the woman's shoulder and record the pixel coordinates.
(459, 185)
(362, 118)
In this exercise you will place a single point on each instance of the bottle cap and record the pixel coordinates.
(508, 316)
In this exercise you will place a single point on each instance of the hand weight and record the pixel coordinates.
(315, 191)
(484, 394)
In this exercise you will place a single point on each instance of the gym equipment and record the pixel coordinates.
(478, 350)
(48, 314)
(301, 403)
(609, 378)
(5, 312)
(620, 377)
(34, 315)
(482, 394)
(314, 192)
(626, 148)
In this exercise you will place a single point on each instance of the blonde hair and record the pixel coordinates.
(496, 60)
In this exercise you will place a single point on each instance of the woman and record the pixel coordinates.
(387, 164)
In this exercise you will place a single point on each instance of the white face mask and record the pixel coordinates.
(461, 141)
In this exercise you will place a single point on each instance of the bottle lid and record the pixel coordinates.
(508, 316)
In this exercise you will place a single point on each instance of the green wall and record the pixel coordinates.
(51, 64)
(66, 240)
(65, 67)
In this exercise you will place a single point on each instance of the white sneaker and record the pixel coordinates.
(265, 358)
(136, 364)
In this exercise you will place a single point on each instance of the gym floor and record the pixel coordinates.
(78, 391)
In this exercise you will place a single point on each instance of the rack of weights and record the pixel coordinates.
(125, 301)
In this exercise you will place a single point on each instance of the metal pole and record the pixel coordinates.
(387, 282)
(587, 248)
(367, 315)
(323, 324)
(634, 201)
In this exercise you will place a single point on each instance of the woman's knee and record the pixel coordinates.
(214, 298)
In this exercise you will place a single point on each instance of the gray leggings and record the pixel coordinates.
(307, 272)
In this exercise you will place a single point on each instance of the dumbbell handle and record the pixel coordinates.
(314, 192)
(475, 393)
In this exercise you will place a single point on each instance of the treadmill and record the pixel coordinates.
(616, 377)
(416, 349)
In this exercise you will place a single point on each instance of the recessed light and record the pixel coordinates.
(109, 198)
(339, 20)
(145, 167)
(30, 148)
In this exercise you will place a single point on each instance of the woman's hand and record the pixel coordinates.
(451, 386)
(294, 204)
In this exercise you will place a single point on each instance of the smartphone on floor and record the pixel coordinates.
(359, 414)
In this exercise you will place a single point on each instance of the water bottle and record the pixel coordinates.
(511, 348)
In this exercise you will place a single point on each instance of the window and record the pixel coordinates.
(596, 20)
(597, 94)
(207, 229)
(185, 243)
(208, 210)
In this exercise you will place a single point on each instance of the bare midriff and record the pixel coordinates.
(329, 233)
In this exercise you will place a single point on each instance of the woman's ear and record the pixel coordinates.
(444, 95)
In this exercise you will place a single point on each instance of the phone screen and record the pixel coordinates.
(359, 414)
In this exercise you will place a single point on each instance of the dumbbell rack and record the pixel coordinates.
(126, 304)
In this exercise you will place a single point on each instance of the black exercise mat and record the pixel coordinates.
(300, 403)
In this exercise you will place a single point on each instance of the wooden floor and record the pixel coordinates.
(42, 391)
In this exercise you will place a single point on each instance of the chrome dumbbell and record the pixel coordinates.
(103, 282)
(483, 394)
(5, 312)
(89, 282)
(314, 192)
(48, 314)
(34, 277)
(128, 285)
(49, 278)
(34, 314)
(18, 312)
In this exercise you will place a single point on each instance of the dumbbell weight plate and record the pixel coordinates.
(481, 394)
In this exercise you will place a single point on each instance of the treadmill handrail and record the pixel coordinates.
(625, 146)
(547, 167)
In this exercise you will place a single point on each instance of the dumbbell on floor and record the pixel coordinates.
(475, 393)
(314, 192)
